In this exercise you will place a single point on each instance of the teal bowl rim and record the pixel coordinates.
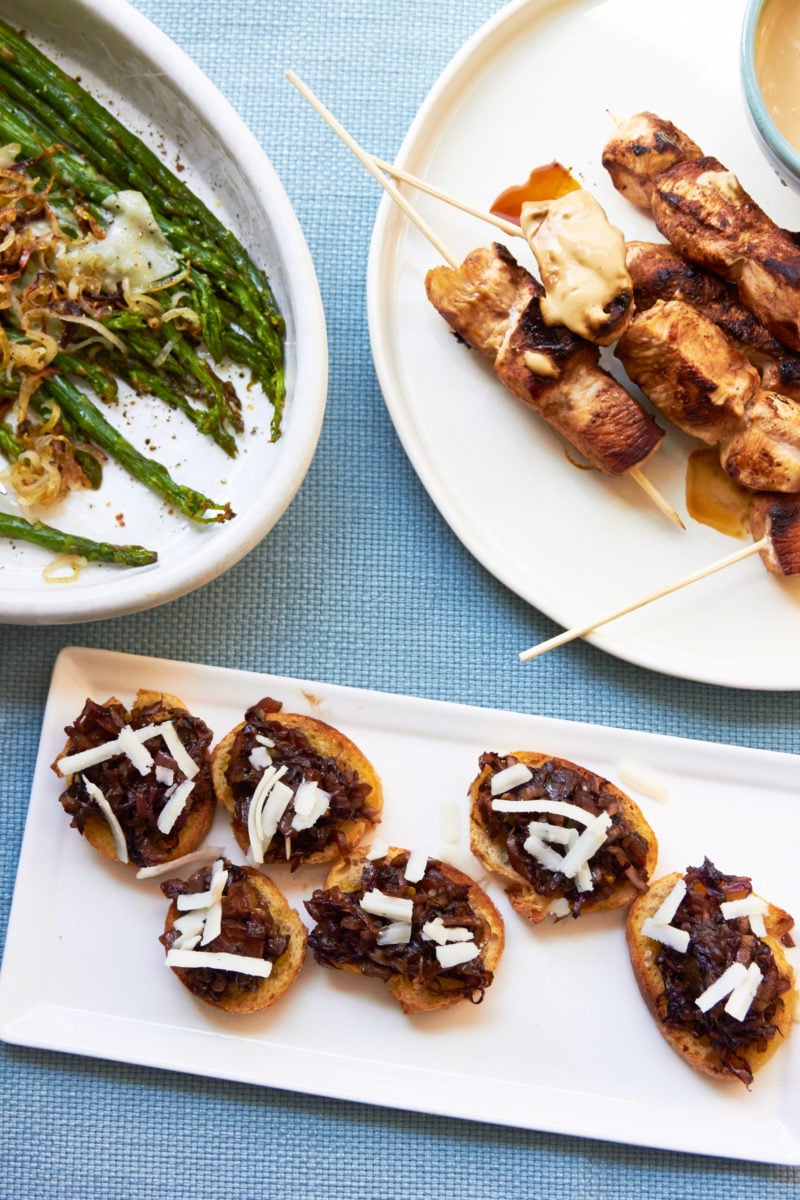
(781, 149)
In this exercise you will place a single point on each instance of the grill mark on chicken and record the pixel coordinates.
(695, 375)
(568, 389)
(777, 517)
(642, 147)
(660, 273)
(708, 216)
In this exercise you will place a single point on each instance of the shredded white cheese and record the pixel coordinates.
(120, 845)
(510, 777)
(177, 797)
(398, 933)
(394, 908)
(668, 935)
(721, 987)
(437, 931)
(455, 953)
(217, 960)
(416, 866)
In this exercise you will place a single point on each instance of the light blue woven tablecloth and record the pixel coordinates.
(360, 583)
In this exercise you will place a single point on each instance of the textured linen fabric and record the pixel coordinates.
(360, 583)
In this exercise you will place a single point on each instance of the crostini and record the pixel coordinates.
(138, 781)
(231, 937)
(298, 790)
(564, 840)
(421, 925)
(709, 957)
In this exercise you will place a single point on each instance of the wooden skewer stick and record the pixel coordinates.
(422, 185)
(569, 635)
(376, 167)
(367, 160)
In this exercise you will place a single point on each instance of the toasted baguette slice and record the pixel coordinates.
(235, 998)
(200, 806)
(330, 743)
(413, 996)
(696, 1048)
(493, 853)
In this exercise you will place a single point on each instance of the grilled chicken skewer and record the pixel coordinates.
(569, 402)
(704, 211)
(580, 254)
(701, 382)
(774, 523)
(642, 147)
(495, 306)
(658, 272)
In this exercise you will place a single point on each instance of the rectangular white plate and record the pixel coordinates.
(562, 1041)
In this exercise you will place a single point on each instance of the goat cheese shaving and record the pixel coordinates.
(120, 845)
(165, 775)
(190, 929)
(176, 803)
(748, 906)
(212, 926)
(396, 934)
(259, 758)
(437, 931)
(416, 866)
(136, 751)
(217, 960)
(310, 803)
(175, 863)
(455, 953)
(670, 904)
(558, 808)
(721, 987)
(743, 995)
(264, 812)
(394, 908)
(216, 886)
(263, 740)
(183, 759)
(587, 845)
(559, 907)
(550, 859)
(510, 777)
(558, 835)
(758, 925)
(668, 935)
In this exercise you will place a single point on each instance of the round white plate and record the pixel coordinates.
(157, 91)
(537, 83)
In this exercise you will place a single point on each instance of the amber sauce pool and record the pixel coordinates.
(544, 183)
(712, 497)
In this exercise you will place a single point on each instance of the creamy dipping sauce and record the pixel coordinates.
(581, 257)
(777, 62)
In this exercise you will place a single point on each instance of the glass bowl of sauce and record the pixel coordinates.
(770, 70)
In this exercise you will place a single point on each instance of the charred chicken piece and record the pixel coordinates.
(643, 146)
(695, 375)
(692, 373)
(550, 369)
(707, 215)
(777, 517)
(478, 299)
(660, 273)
